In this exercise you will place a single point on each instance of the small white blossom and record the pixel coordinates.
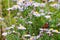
(51, 0)
(27, 35)
(58, 24)
(56, 31)
(1, 18)
(15, 0)
(9, 9)
(29, 22)
(36, 4)
(36, 14)
(41, 10)
(33, 38)
(55, 5)
(13, 25)
(4, 34)
(8, 28)
(42, 4)
(42, 14)
(47, 16)
(21, 27)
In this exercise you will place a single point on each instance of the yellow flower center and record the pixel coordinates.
(36, 12)
(30, 0)
(0, 17)
(56, 30)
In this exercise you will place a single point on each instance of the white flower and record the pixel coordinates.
(33, 38)
(19, 3)
(18, 14)
(15, 0)
(51, 0)
(58, 1)
(27, 35)
(56, 31)
(55, 5)
(41, 29)
(27, 4)
(13, 8)
(36, 4)
(4, 34)
(21, 0)
(8, 28)
(47, 16)
(42, 4)
(41, 10)
(1, 18)
(21, 27)
(13, 25)
(50, 13)
(58, 24)
(9, 9)
(29, 22)
(42, 14)
(15, 17)
(48, 32)
(20, 8)
(36, 14)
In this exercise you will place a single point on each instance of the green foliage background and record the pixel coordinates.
(37, 21)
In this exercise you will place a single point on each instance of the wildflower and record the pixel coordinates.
(41, 10)
(48, 32)
(51, 0)
(20, 8)
(1, 18)
(13, 8)
(42, 4)
(15, 17)
(27, 35)
(55, 31)
(8, 28)
(38, 36)
(4, 34)
(29, 22)
(9, 9)
(42, 14)
(43, 29)
(36, 14)
(49, 13)
(58, 24)
(30, 0)
(21, 27)
(14, 0)
(21, 0)
(18, 14)
(55, 5)
(26, 4)
(13, 25)
(36, 4)
(47, 16)
(58, 32)
(33, 38)
(19, 3)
